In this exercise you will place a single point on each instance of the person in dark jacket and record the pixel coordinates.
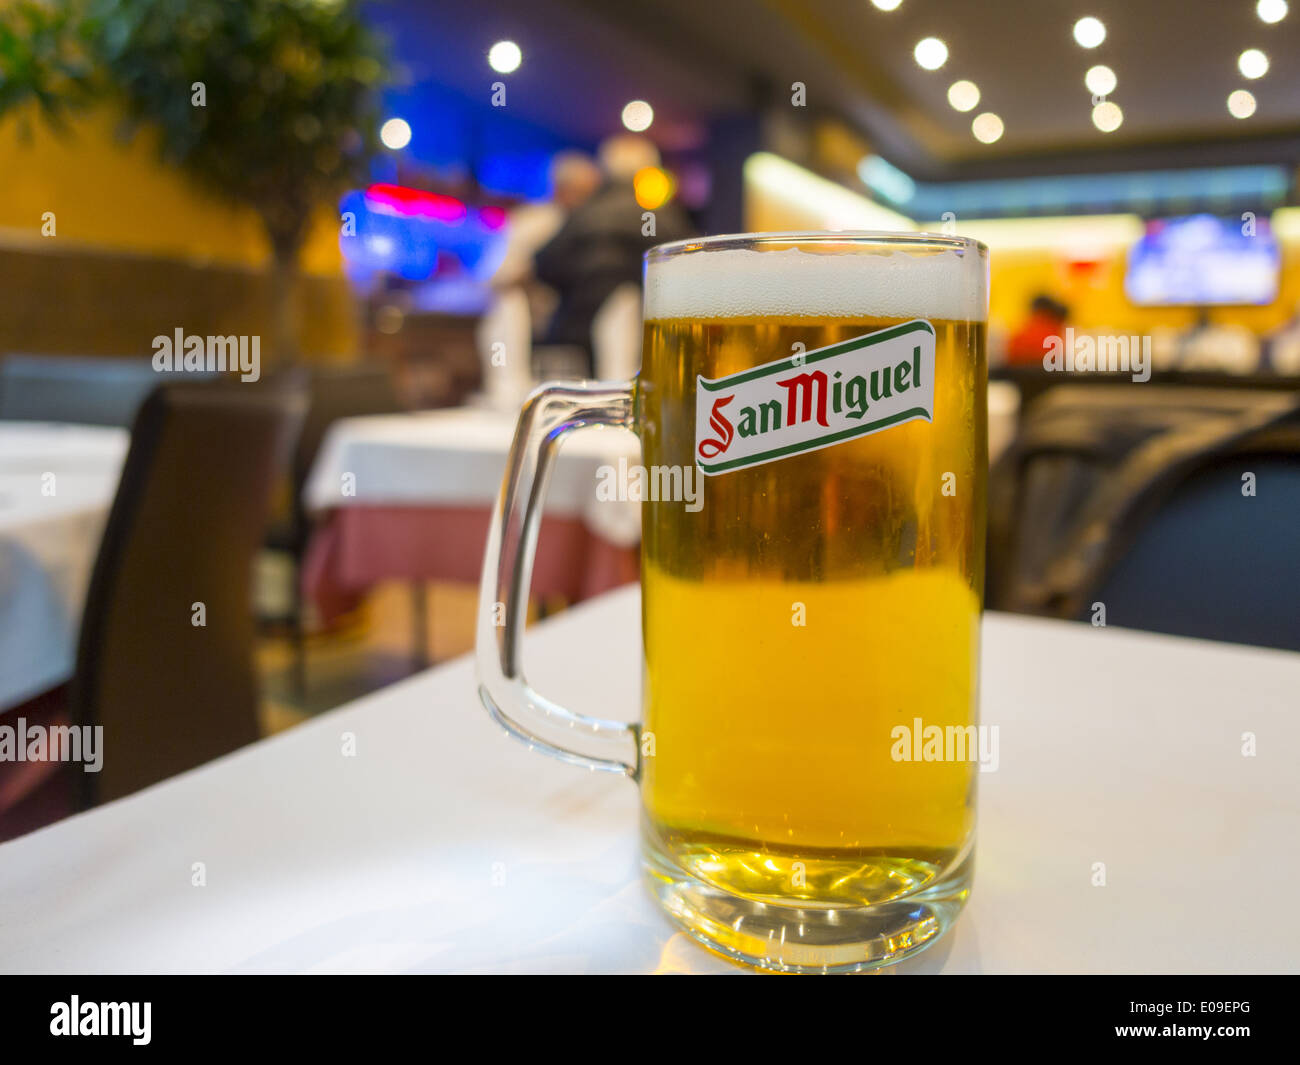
(601, 244)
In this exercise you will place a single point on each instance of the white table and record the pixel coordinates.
(445, 846)
(457, 458)
(48, 544)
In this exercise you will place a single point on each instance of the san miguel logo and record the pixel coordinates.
(816, 399)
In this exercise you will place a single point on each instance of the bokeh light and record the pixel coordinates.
(637, 116)
(505, 56)
(931, 53)
(987, 127)
(653, 187)
(963, 95)
(395, 134)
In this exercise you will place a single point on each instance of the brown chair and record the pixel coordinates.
(178, 549)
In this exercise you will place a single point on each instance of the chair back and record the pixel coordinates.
(1170, 506)
(165, 659)
(83, 390)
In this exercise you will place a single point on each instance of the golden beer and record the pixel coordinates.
(812, 415)
(809, 608)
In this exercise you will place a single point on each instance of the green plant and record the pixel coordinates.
(272, 104)
(43, 60)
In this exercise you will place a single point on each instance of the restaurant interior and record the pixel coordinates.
(277, 275)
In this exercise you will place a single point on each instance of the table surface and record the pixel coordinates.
(49, 537)
(443, 845)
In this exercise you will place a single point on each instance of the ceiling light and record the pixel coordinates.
(987, 127)
(1271, 10)
(963, 95)
(1101, 80)
(1252, 63)
(890, 5)
(1241, 104)
(637, 116)
(1089, 32)
(395, 133)
(504, 57)
(931, 53)
(1107, 117)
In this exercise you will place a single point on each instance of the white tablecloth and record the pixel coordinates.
(445, 846)
(48, 544)
(458, 457)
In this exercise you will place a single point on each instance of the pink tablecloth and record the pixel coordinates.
(356, 547)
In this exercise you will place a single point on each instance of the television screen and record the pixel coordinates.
(1201, 259)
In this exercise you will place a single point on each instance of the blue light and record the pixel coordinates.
(1147, 191)
(419, 248)
(525, 174)
(883, 177)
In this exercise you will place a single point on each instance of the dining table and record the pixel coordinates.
(1141, 818)
(409, 497)
(57, 483)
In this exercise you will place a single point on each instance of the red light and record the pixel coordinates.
(492, 217)
(415, 203)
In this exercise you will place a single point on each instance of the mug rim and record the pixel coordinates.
(816, 236)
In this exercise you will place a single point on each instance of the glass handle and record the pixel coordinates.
(548, 415)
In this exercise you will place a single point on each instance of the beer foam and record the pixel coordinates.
(793, 283)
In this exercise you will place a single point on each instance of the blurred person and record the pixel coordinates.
(1164, 348)
(598, 250)
(574, 176)
(1284, 347)
(1047, 318)
(1210, 346)
(522, 305)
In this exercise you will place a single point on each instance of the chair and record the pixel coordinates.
(189, 515)
(1214, 563)
(84, 390)
(1133, 498)
(328, 395)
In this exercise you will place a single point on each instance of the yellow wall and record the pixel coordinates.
(120, 197)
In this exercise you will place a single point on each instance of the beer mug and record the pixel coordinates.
(807, 753)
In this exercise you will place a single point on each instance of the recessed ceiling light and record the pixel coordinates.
(963, 95)
(395, 133)
(886, 5)
(931, 53)
(1101, 80)
(1252, 63)
(1241, 104)
(1271, 10)
(1107, 117)
(987, 127)
(637, 116)
(1089, 32)
(504, 57)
